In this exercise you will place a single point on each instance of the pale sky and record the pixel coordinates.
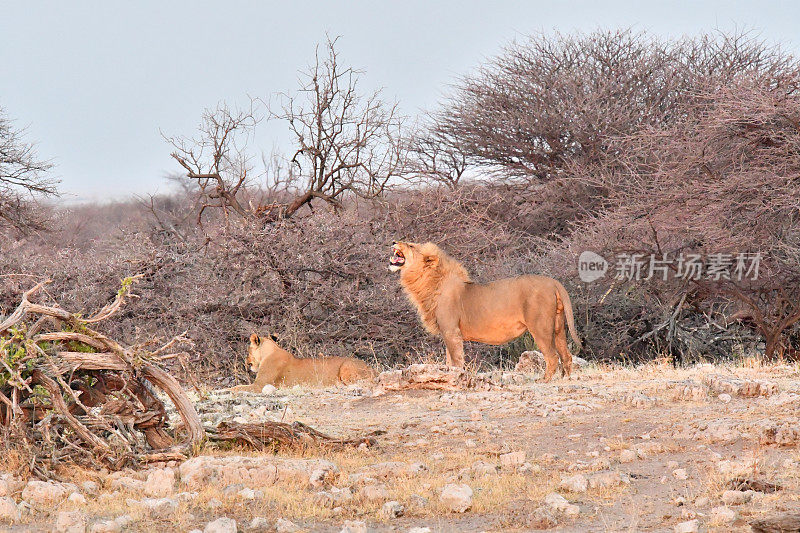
(96, 82)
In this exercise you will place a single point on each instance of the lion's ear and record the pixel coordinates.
(274, 337)
(430, 260)
(254, 339)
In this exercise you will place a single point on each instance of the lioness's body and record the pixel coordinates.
(450, 304)
(275, 366)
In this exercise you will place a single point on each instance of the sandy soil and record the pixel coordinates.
(655, 446)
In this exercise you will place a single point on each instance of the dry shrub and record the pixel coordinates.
(667, 147)
(320, 282)
(613, 142)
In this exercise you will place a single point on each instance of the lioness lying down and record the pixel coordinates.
(275, 366)
(450, 304)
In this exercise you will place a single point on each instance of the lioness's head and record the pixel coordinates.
(410, 255)
(260, 348)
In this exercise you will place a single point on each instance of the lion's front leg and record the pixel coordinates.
(454, 348)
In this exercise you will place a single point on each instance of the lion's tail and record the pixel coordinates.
(562, 293)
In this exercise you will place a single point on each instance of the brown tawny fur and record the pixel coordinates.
(276, 366)
(451, 305)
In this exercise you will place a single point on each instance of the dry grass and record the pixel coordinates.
(431, 427)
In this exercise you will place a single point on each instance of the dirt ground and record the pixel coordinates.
(628, 449)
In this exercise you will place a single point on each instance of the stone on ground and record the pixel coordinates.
(221, 525)
(456, 498)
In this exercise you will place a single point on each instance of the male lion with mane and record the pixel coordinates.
(275, 366)
(450, 304)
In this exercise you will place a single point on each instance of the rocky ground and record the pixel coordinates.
(709, 448)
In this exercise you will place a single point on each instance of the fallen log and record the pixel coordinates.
(782, 523)
(758, 485)
(434, 377)
(280, 434)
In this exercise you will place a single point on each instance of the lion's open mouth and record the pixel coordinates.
(398, 259)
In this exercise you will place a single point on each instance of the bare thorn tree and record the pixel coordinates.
(347, 143)
(436, 155)
(218, 158)
(22, 177)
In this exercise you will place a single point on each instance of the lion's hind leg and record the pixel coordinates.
(542, 330)
(348, 374)
(351, 372)
(560, 336)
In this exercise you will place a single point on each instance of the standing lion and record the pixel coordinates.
(450, 304)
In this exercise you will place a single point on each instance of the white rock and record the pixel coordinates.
(722, 515)
(8, 510)
(680, 473)
(324, 499)
(105, 526)
(482, 468)
(690, 526)
(577, 483)
(374, 493)
(724, 398)
(457, 498)
(392, 509)
(601, 463)
(555, 500)
(249, 494)
(9, 485)
(268, 389)
(736, 497)
(735, 468)
(128, 484)
(317, 478)
(214, 504)
(90, 487)
(186, 496)
(354, 526)
(558, 503)
(77, 498)
(419, 530)
(286, 526)
(160, 483)
(259, 524)
(529, 468)
(70, 522)
(157, 507)
(531, 362)
(44, 493)
(221, 525)
(608, 479)
(512, 459)
(627, 456)
(124, 520)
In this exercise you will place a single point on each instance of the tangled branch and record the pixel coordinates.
(91, 398)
